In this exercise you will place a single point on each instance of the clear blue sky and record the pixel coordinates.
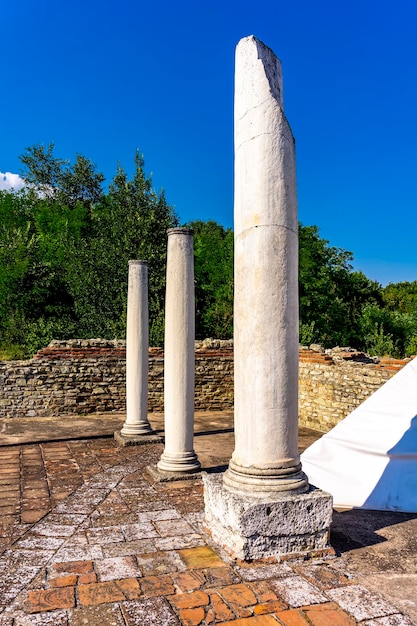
(105, 78)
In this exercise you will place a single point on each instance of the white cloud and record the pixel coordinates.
(10, 181)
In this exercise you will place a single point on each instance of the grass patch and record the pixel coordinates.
(12, 352)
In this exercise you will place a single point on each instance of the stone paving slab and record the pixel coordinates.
(105, 544)
(15, 431)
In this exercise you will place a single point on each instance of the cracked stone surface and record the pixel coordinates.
(115, 548)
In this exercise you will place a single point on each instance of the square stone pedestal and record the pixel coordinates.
(159, 476)
(252, 528)
(136, 440)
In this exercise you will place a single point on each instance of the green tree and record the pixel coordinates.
(17, 241)
(34, 240)
(65, 247)
(60, 181)
(401, 297)
(59, 198)
(392, 323)
(213, 266)
(332, 296)
(129, 223)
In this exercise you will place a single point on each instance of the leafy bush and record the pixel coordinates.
(12, 352)
(65, 246)
(307, 334)
(40, 332)
(411, 346)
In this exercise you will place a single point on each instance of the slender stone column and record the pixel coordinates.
(137, 345)
(179, 455)
(136, 429)
(263, 506)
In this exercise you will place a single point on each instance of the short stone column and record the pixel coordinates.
(179, 455)
(264, 507)
(136, 428)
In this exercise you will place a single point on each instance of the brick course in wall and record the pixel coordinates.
(332, 385)
(86, 376)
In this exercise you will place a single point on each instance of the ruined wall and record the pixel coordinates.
(332, 385)
(86, 376)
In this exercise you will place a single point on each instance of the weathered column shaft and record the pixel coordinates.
(266, 280)
(263, 505)
(137, 345)
(179, 455)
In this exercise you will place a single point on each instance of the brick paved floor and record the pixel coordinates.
(87, 537)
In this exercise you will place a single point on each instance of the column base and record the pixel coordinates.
(136, 440)
(251, 528)
(159, 476)
(138, 428)
(185, 462)
(265, 482)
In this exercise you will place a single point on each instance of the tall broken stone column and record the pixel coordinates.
(136, 428)
(264, 506)
(179, 455)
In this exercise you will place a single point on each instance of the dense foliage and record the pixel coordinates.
(213, 266)
(64, 250)
(339, 306)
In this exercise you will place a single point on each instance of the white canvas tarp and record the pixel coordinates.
(369, 460)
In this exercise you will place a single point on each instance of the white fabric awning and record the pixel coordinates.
(369, 460)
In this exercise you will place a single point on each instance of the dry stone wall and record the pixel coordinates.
(333, 384)
(87, 376)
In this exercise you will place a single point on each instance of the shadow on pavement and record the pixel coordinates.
(357, 528)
